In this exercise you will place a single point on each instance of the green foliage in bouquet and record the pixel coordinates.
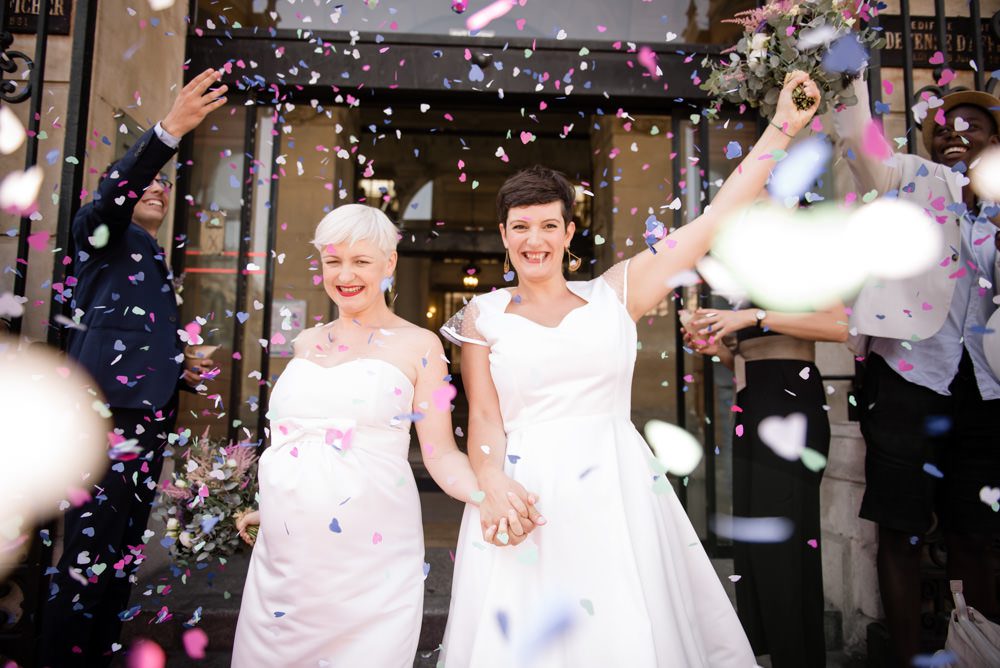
(212, 484)
(781, 37)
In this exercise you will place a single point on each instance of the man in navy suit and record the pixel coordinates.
(128, 340)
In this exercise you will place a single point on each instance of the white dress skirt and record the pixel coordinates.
(617, 576)
(337, 576)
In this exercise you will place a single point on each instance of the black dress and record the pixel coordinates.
(780, 594)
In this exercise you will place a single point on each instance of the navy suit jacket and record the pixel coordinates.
(124, 293)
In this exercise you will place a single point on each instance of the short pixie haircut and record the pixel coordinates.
(536, 185)
(350, 223)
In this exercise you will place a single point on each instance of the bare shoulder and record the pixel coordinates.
(419, 339)
(305, 343)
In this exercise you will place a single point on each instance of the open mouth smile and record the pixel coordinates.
(535, 257)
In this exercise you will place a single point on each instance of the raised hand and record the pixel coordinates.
(195, 101)
(788, 116)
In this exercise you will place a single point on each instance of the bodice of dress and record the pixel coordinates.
(365, 404)
(580, 368)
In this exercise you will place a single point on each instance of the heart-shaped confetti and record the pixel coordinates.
(990, 496)
(195, 642)
(786, 436)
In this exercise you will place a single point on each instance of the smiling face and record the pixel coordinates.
(151, 208)
(968, 130)
(536, 238)
(353, 275)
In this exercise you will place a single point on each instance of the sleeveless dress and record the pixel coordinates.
(617, 576)
(336, 577)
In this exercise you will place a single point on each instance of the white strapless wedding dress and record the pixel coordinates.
(337, 576)
(617, 576)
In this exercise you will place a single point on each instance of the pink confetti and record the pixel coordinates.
(78, 496)
(376, 538)
(647, 58)
(813, 543)
(146, 654)
(946, 77)
(875, 144)
(38, 241)
(527, 137)
(195, 642)
(488, 14)
(904, 366)
(739, 430)
(936, 59)
(939, 116)
(887, 87)
(278, 339)
(443, 395)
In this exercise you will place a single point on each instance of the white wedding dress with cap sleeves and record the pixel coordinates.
(617, 576)
(337, 575)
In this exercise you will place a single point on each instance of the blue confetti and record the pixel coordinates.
(126, 615)
(943, 657)
(513, 459)
(800, 168)
(937, 425)
(335, 526)
(208, 524)
(930, 469)
(503, 623)
(733, 150)
(279, 614)
(845, 55)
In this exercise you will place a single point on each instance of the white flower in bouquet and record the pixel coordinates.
(815, 36)
(758, 48)
(212, 482)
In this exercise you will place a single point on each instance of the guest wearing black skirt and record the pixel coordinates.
(780, 594)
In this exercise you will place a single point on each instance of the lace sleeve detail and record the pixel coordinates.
(461, 327)
(617, 278)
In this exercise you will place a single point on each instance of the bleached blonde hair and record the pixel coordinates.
(350, 223)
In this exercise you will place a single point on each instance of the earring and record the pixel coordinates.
(506, 262)
(574, 260)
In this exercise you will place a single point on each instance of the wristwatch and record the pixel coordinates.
(760, 315)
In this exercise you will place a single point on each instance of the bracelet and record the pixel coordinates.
(780, 129)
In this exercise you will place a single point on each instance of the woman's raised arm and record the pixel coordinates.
(651, 270)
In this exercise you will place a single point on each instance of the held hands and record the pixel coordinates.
(697, 343)
(194, 102)
(507, 512)
(788, 116)
(713, 324)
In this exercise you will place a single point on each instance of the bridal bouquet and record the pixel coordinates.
(816, 36)
(212, 485)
